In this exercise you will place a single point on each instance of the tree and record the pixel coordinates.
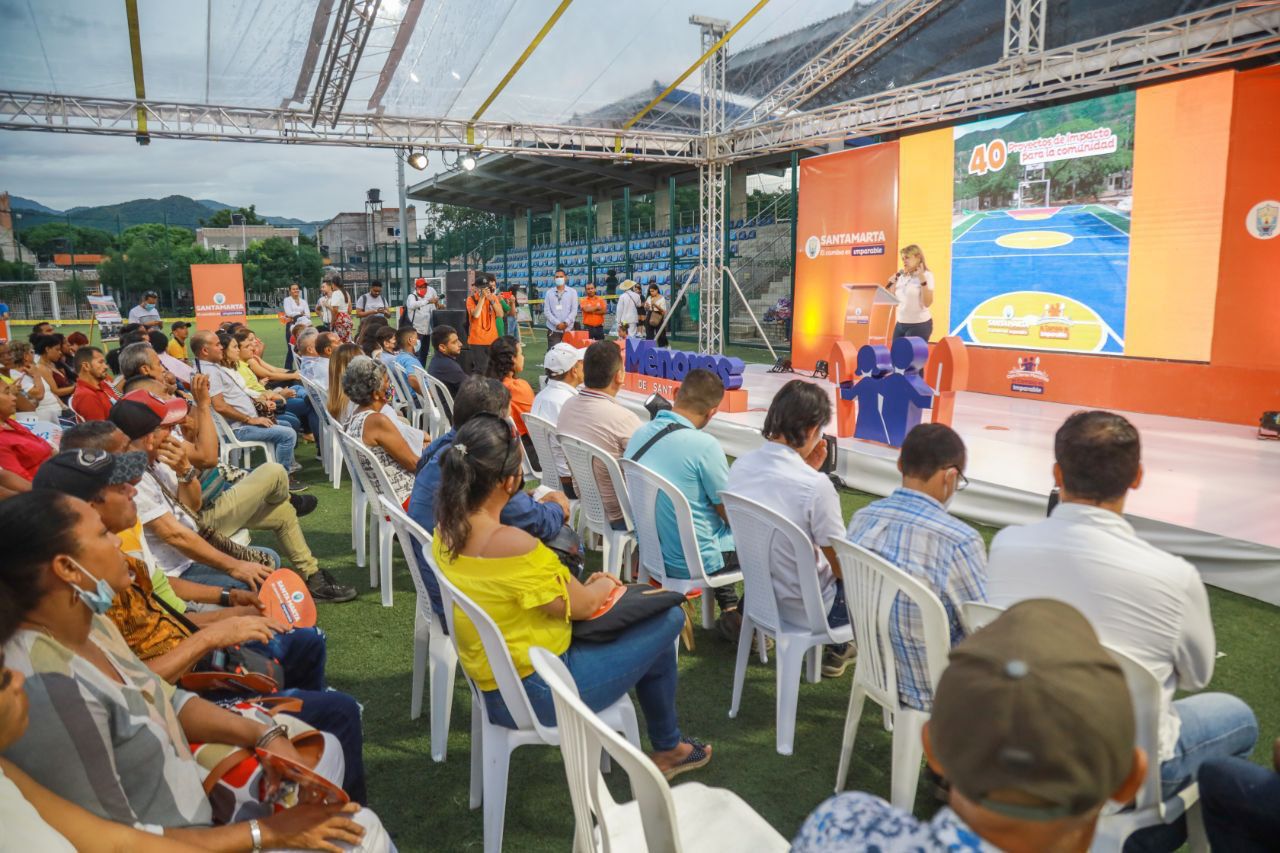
(155, 234)
(16, 270)
(53, 237)
(222, 219)
(276, 263)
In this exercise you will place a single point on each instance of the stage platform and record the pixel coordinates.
(1208, 494)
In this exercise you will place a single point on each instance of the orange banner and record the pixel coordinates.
(219, 294)
(846, 234)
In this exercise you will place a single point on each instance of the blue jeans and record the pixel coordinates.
(200, 573)
(1241, 803)
(280, 438)
(1214, 725)
(302, 653)
(299, 410)
(644, 657)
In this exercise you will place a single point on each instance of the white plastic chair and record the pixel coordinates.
(1149, 809)
(326, 440)
(229, 445)
(755, 529)
(433, 655)
(978, 614)
(583, 457)
(366, 468)
(441, 396)
(359, 500)
(435, 422)
(871, 586)
(541, 432)
(406, 398)
(644, 486)
(660, 819)
(492, 744)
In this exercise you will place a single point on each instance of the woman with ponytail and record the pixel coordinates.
(506, 363)
(532, 598)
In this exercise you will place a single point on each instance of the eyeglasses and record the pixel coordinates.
(962, 482)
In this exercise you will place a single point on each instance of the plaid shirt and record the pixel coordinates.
(915, 533)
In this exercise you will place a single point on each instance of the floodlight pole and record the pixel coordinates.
(404, 222)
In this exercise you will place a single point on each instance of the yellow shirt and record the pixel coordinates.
(177, 350)
(131, 544)
(510, 590)
(250, 378)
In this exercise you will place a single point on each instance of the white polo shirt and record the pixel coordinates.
(230, 385)
(776, 476)
(908, 288)
(152, 503)
(1143, 601)
(547, 404)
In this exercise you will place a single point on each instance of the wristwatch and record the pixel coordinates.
(189, 476)
(224, 597)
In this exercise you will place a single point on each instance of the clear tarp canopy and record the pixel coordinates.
(599, 64)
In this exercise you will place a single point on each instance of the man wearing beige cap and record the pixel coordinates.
(1032, 726)
(628, 312)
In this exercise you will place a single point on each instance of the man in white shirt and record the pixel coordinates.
(559, 309)
(563, 364)
(296, 312)
(371, 303)
(419, 307)
(785, 475)
(231, 400)
(1142, 601)
(628, 310)
(146, 312)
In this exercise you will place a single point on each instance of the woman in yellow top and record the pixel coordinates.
(260, 376)
(532, 598)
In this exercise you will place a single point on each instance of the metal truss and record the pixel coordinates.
(1023, 27)
(118, 116)
(711, 191)
(352, 25)
(1221, 35)
(871, 32)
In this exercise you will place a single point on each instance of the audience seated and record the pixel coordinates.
(444, 364)
(1241, 803)
(1033, 726)
(233, 402)
(563, 367)
(674, 446)
(1144, 602)
(404, 357)
(9, 377)
(177, 365)
(532, 598)
(94, 395)
(314, 360)
(339, 406)
(141, 359)
(542, 518)
(36, 381)
(394, 443)
(171, 507)
(50, 353)
(140, 770)
(595, 416)
(913, 530)
(284, 404)
(785, 474)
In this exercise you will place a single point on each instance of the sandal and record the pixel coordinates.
(699, 756)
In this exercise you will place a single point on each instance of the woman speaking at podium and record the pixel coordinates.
(913, 285)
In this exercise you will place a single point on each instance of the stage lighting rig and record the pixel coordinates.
(468, 162)
(820, 370)
(418, 160)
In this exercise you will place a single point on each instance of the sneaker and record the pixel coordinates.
(836, 661)
(304, 504)
(729, 624)
(295, 467)
(296, 485)
(324, 587)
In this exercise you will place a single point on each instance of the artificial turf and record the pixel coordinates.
(425, 805)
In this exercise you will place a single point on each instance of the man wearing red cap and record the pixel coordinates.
(418, 307)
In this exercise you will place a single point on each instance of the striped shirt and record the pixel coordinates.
(121, 752)
(915, 533)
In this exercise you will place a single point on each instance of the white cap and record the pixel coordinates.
(561, 358)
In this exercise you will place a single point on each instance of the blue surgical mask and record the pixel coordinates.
(101, 598)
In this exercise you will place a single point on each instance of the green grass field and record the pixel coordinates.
(425, 805)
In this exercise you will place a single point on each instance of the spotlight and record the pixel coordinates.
(418, 160)
(468, 163)
(782, 365)
(656, 403)
(820, 370)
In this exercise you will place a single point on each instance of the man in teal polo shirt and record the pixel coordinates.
(675, 447)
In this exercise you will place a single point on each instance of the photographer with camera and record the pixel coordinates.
(483, 310)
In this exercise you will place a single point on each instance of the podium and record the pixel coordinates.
(869, 315)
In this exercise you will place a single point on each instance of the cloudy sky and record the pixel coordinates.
(249, 52)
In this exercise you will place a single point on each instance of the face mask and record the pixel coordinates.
(559, 282)
(101, 599)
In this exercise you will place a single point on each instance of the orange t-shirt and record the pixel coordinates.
(521, 401)
(482, 330)
(594, 303)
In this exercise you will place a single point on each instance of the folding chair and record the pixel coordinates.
(374, 481)
(229, 444)
(616, 545)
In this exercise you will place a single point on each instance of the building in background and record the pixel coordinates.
(349, 235)
(10, 248)
(236, 238)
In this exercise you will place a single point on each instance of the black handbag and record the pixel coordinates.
(629, 605)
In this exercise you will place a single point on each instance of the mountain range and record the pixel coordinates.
(177, 210)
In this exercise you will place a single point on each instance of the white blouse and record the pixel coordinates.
(909, 287)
